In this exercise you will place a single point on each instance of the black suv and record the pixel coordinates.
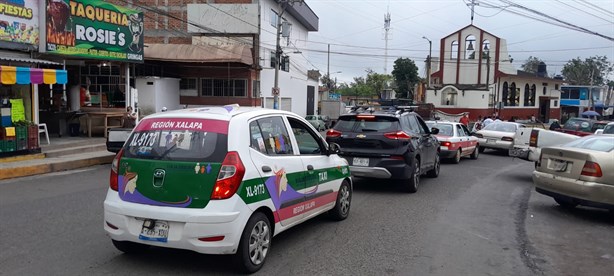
(390, 143)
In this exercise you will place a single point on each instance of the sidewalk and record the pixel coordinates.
(65, 153)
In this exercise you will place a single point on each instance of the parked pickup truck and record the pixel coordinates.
(528, 142)
(116, 138)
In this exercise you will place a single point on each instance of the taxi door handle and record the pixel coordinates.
(266, 169)
(310, 167)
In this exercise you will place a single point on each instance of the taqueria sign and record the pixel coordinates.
(93, 29)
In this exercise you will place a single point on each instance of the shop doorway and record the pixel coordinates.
(544, 109)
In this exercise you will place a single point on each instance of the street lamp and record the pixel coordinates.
(428, 71)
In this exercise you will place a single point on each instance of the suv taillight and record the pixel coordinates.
(230, 176)
(592, 169)
(533, 138)
(114, 177)
(331, 133)
(399, 135)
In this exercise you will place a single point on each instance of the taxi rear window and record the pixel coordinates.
(179, 140)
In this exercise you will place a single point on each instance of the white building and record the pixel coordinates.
(254, 24)
(474, 74)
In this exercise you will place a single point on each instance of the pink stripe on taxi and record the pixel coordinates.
(205, 125)
(304, 206)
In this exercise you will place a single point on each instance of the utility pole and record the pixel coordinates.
(282, 5)
(328, 69)
(428, 60)
(387, 29)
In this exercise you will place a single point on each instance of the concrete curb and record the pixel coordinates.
(62, 165)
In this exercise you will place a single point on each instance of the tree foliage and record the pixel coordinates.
(377, 82)
(328, 82)
(405, 74)
(593, 70)
(531, 64)
(366, 87)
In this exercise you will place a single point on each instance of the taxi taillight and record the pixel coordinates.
(114, 177)
(230, 176)
(446, 144)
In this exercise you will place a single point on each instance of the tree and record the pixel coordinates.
(377, 82)
(405, 74)
(593, 70)
(328, 82)
(531, 64)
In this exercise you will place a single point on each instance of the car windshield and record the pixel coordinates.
(445, 129)
(503, 127)
(367, 123)
(579, 125)
(609, 129)
(597, 143)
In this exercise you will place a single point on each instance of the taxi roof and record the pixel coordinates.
(225, 112)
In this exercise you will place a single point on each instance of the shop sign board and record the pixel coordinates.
(93, 29)
(19, 21)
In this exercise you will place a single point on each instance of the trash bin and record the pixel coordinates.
(73, 129)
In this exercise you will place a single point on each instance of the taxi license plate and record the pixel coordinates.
(154, 230)
(364, 162)
(559, 165)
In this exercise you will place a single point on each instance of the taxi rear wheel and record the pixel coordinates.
(475, 153)
(344, 200)
(457, 157)
(130, 247)
(255, 243)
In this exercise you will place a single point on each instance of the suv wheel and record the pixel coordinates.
(255, 243)
(411, 185)
(344, 200)
(435, 171)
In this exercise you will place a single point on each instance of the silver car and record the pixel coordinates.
(317, 121)
(498, 135)
(580, 172)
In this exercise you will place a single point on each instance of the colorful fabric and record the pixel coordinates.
(25, 75)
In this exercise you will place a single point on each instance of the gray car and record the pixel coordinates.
(317, 121)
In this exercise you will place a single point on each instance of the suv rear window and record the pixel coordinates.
(179, 140)
(363, 123)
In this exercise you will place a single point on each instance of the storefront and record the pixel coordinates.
(21, 76)
(97, 42)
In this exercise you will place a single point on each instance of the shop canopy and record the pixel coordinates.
(26, 75)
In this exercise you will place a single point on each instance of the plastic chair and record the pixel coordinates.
(43, 128)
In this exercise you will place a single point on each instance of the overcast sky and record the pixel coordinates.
(356, 28)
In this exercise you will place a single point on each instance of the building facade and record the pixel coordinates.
(474, 74)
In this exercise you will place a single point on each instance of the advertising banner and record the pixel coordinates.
(19, 21)
(94, 29)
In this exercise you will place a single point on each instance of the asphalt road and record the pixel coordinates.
(480, 217)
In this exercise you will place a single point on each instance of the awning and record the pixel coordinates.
(29, 60)
(26, 75)
(199, 53)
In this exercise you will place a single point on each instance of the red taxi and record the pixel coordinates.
(455, 141)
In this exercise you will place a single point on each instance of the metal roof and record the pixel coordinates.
(28, 60)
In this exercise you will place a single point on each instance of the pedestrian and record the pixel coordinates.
(478, 124)
(555, 125)
(129, 120)
(464, 120)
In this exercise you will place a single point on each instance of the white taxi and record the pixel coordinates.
(222, 180)
(455, 141)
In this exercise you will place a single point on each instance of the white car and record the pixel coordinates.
(222, 180)
(497, 135)
(608, 129)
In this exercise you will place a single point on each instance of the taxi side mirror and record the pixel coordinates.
(333, 148)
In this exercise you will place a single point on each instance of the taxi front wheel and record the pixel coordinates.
(343, 203)
(255, 243)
